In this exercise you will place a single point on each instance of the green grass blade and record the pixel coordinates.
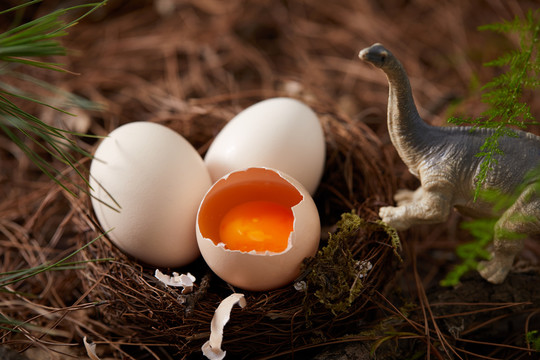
(18, 7)
(28, 273)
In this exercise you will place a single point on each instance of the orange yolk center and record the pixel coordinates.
(257, 225)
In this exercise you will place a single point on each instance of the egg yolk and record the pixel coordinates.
(257, 225)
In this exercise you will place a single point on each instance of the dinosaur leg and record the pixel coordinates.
(520, 220)
(425, 207)
(405, 196)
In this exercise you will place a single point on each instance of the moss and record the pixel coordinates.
(394, 237)
(334, 277)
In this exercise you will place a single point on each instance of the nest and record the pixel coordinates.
(357, 178)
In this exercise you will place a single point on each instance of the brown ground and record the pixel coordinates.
(202, 61)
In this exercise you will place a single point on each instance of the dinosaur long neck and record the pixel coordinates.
(407, 130)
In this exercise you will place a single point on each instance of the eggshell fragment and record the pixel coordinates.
(257, 270)
(212, 348)
(90, 349)
(176, 280)
(146, 184)
(279, 133)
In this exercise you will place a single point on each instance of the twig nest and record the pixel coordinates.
(142, 309)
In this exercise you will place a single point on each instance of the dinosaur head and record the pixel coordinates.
(376, 54)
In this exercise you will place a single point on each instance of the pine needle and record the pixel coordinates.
(13, 277)
(22, 46)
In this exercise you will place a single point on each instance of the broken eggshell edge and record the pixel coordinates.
(260, 271)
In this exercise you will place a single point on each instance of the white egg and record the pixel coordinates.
(254, 249)
(279, 133)
(147, 182)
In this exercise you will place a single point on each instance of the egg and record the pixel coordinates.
(147, 182)
(279, 133)
(255, 226)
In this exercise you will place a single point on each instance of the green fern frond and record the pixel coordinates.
(504, 93)
(483, 230)
(533, 339)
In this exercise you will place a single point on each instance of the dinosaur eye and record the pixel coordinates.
(384, 54)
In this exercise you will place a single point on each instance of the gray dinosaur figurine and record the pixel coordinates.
(443, 158)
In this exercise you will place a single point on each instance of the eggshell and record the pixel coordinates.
(280, 133)
(258, 270)
(147, 182)
(212, 348)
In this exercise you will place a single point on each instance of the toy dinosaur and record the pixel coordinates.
(444, 160)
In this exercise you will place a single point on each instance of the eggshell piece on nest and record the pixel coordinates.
(212, 348)
(147, 182)
(176, 280)
(90, 349)
(257, 269)
(280, 133)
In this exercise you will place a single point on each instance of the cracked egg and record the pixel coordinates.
(255, 226)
